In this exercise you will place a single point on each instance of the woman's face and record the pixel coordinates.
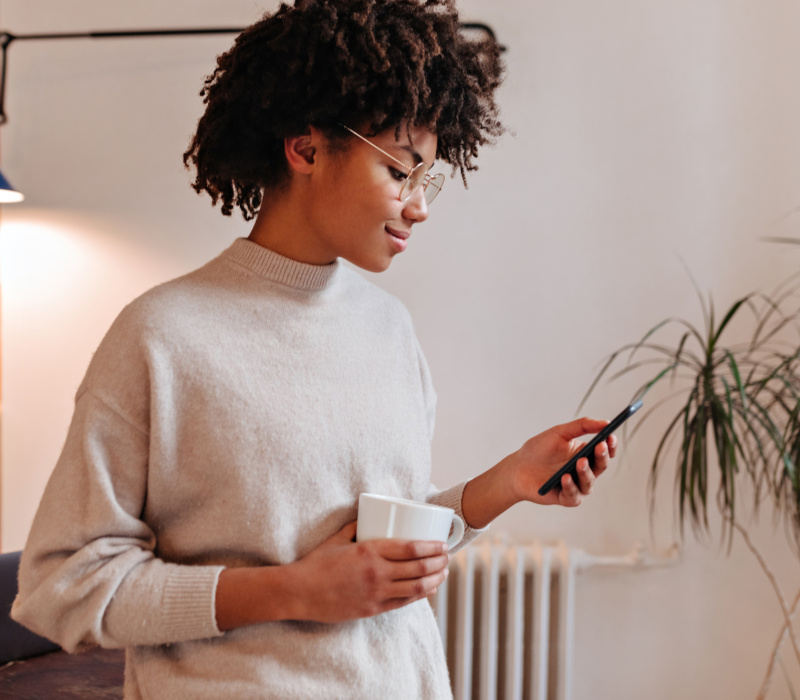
(355, 207)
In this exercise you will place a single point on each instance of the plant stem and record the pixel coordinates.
(762, 694)
(787, 613)
(786, 676)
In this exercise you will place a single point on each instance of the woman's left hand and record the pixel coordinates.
(519, 476)
(541, 456)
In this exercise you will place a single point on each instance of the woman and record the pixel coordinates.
(202, 512)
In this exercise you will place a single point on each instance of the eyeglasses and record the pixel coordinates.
(416, 177)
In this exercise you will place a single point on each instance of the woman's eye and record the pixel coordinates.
(397, 175)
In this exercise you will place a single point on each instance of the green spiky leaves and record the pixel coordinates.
(739, 410)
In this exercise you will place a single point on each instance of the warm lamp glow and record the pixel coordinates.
(41, 261)
(10, 196)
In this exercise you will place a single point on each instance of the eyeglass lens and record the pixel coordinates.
(434, 187)
(416, 178)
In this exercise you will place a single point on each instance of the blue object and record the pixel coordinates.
(16, 642)
(7, 193)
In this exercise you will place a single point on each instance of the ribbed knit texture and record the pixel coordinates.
(269, 264)
(231, 417)
(187, 607)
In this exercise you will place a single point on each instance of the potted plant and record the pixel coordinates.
(739, 414)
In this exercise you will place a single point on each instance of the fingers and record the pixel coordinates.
(586, 476)
(411, 579)
(417, 588)
(570, 495)
(602, 455)
(403, 550)
(581, 426)
(419, 568)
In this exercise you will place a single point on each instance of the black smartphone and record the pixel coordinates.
(588, 451)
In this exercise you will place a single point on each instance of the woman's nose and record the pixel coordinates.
(416, 208)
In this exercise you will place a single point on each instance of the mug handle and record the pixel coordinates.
(458, 532)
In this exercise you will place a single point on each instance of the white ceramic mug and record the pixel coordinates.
(383, 517)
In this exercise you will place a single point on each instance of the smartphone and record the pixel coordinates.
(588, 451)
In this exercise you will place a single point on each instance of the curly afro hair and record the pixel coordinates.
(370, 63)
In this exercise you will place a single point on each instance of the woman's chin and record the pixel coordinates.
(372, 263)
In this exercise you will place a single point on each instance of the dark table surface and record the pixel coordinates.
(96, 674)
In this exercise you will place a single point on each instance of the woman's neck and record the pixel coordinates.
(283, 226)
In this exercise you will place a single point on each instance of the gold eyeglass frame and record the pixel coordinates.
(437, 179)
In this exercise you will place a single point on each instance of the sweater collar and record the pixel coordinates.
(273, 266)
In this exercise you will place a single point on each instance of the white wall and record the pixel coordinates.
(640, 131)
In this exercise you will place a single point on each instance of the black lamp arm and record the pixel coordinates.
(7, 38)
(5, 41)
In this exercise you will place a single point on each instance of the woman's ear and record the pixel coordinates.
(300, 150)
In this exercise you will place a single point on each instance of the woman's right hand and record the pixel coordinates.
(339, 580)
(344, 580)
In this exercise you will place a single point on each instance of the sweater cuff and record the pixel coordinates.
(189, 603)
(451, 498)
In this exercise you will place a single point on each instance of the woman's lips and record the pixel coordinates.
(398, 234)
(398, 238)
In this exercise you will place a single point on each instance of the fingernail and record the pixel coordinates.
(444, 547)
(446, 573)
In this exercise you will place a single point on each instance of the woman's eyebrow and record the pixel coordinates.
(417, 156)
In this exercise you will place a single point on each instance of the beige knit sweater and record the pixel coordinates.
(230, 418)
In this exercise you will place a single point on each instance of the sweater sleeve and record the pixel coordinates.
(89, 574)
(449, 498)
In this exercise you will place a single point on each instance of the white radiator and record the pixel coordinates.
(495, 612)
